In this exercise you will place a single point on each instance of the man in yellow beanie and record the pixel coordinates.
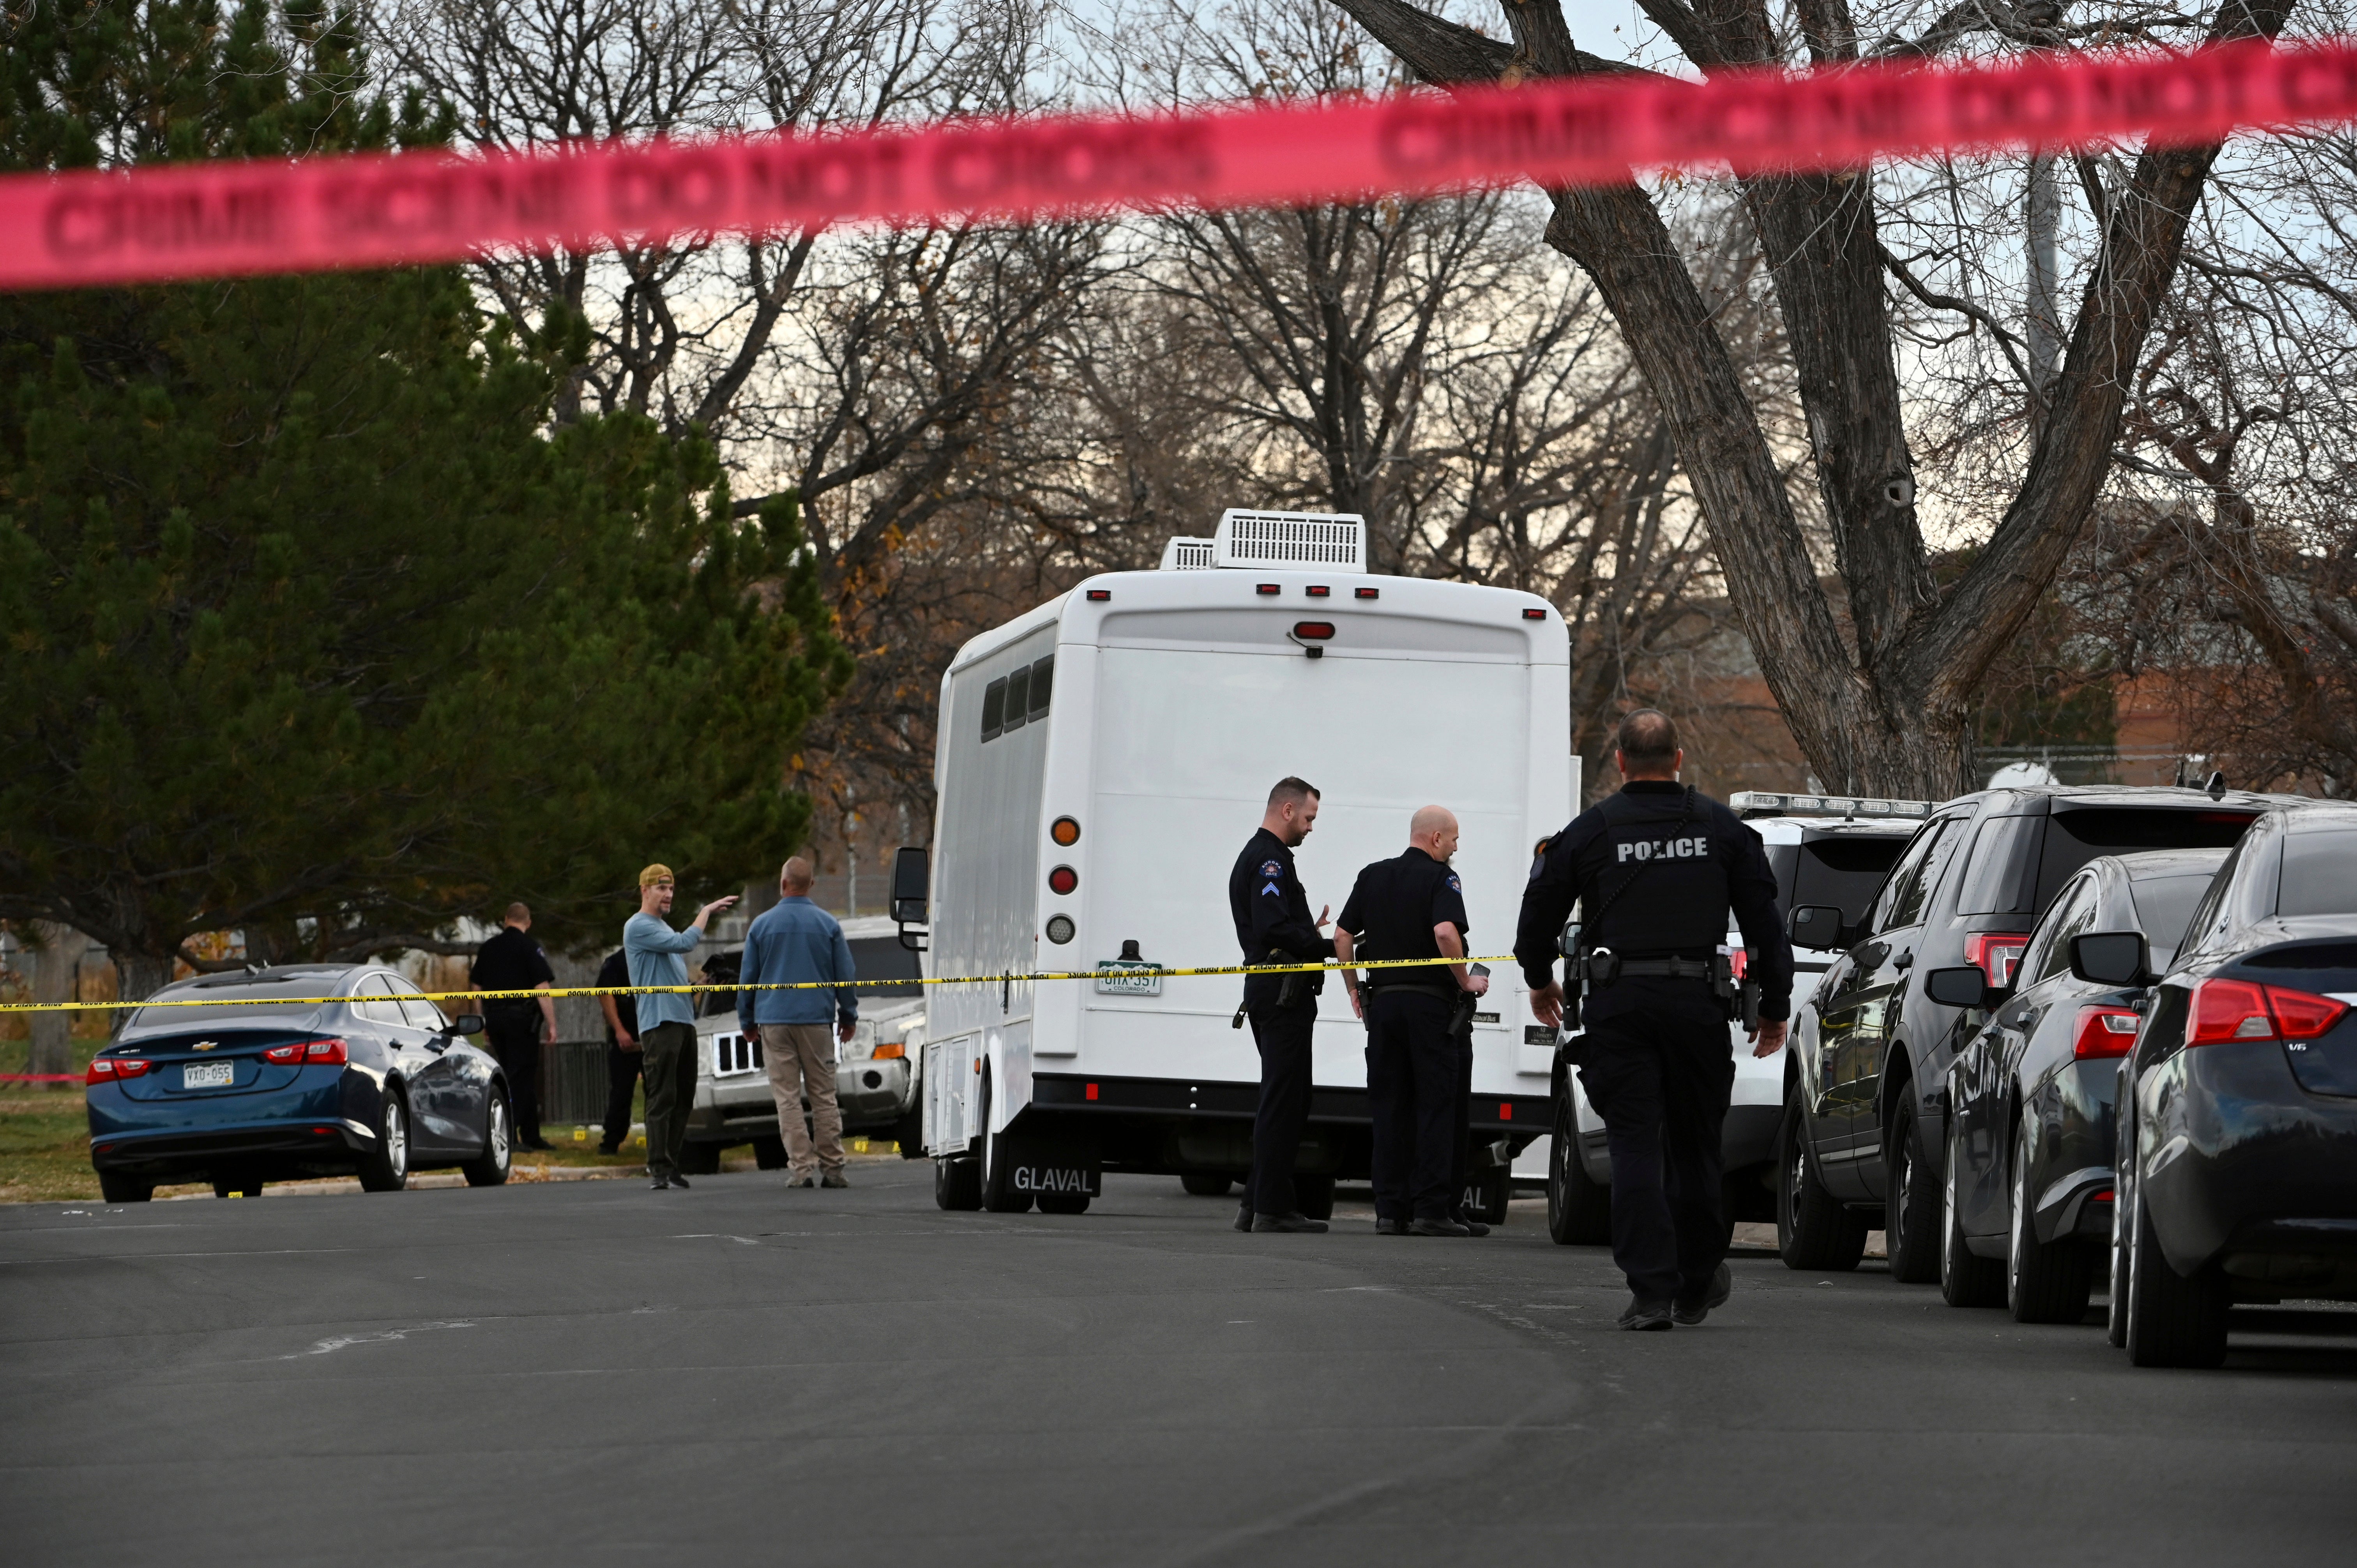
(658, 956)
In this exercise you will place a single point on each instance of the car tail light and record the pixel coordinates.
(2105, 1032)
(2302, 1015)
(895, 1051)
(2229, 1010)
(106, 1070)
(1994, 953)
(1063, 879)
(313, 1053)
(1313, 631)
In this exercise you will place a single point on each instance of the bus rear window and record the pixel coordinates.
(2075, 837)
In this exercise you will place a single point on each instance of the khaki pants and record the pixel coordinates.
(801, 1062)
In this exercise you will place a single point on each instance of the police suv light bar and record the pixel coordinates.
(1758, 803)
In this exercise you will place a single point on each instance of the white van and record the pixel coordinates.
(1101, 762)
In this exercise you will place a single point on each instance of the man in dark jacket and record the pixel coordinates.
(1273, 926)
(511, 960)
(623, 1055)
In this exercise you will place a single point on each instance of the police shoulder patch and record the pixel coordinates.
(1454, 886)
(1270, 868)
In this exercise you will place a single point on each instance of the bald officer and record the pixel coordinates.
(1412, 906)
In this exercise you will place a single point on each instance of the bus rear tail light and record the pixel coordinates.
(2105, 1032)
(1994, 953)
(106, 1070)
(1063, 879)
(2245, 1010)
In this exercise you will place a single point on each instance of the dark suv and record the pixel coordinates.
(1862, 1111)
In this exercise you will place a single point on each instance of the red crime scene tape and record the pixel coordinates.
(223, 219)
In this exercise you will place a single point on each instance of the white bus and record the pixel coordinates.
(1101, 763)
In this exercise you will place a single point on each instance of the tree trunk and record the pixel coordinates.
(138, 975)
(56, 957)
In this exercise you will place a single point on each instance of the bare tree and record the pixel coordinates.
(1883, 702)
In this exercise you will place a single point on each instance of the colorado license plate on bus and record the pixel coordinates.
(1115, 978)
(207, 1075)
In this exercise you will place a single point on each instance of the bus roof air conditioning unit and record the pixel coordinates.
(1305, 540)
(1183, 554)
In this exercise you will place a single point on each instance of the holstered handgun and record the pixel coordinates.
(1289, 988)
(1740, 997)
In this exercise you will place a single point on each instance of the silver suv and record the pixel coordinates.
(875, 1079)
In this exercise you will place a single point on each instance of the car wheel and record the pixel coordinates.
(1966, 1279)
(1206, 1183)
(769, 1153)
(384, 1166)
(491, 1167)
(1911, 1215)
(1063, 1203)
(699, 1159)
(998, 1194)
(957, 1184)
(2046, 1281)
(1580, 1211)
(2172, 1321)
(1813, 1231)
(124, 1188)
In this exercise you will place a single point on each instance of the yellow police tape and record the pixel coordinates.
(1142, 971)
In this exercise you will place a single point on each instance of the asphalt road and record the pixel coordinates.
(595, 1372)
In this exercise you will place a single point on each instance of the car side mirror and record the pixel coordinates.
(2112, 958)
(1818, 926)
(467, 1024)
(1963, 987)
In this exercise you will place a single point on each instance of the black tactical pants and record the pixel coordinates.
(1412, 1071)
(621, 1085)
(1283, 1036)
(1657, 1067)
(514, 1035)
(1461, 1151)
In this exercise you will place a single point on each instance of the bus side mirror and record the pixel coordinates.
(911, 893)
(2112, 958)
(1818, 926)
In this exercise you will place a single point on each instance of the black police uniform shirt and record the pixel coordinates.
(510, 960)
(1393, 910)
(615, 970)
(1272, 914)
(1655, 870)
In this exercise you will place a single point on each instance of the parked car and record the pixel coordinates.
(2236, 1170)
(1865, 1128)
(2027, 1212)
(1824, 850)
(244, 1090)
(874, 1080)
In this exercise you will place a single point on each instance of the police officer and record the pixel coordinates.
(1655, 869)
(1409, 908)
(511, 960)
(1273, 926)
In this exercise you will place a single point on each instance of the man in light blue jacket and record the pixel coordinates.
(656, 955)
(797, 943)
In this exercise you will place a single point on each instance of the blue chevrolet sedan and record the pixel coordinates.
(242, 1089)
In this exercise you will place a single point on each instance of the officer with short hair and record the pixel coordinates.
(1412, 906)
(1654, 870)
(1273, 926)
